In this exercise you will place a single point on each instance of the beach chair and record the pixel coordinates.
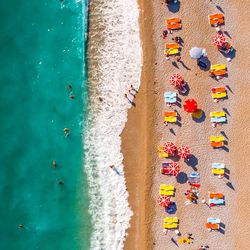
(170, 117)
(172, 46)
(171, 52)
(170, 225)
(217, 144)
(217, 114)
(170, 220)
(213, 220)
(212, 226)
(161, 153)
(216, 19)
(168, 190)
(218, 138)
(216, 67)
(218, 90)
(219, 95)
(173, 23)
(218, 169)
(218, 119)
(216, 202)
(216, 196)
(170, 97)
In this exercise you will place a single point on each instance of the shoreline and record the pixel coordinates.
(148, 119)
(138, 152)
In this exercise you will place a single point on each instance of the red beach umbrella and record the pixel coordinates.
(219, 40)
(164, 200)
(190, 105)
(176, 80)
(184, 152)
(169, 148)
(174, 168)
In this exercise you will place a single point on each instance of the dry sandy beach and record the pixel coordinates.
(144, 130)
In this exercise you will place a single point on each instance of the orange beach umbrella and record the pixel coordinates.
(164, 200)
(219, 40)
(190, 105)
(176, 80)
(184, 152)
(169, 148)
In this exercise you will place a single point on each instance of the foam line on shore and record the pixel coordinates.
(114, 63)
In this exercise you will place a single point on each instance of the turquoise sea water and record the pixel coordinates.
(41, 52)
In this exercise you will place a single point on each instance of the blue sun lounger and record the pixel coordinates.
(170, 97)
(213, 220)
(219, 119)
(217, 201)
(218, 165)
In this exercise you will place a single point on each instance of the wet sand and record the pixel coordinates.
(145, 130)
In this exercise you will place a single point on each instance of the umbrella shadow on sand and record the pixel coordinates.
(192, 162)
(174, 7)
(182, 178)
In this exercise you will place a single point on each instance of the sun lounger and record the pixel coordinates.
(218, 165)
(219, 138)
(216, 19)
(217, 114)
(218, 119)
(219, 95)
(170, 116)
(170, 225)
(170, 100)
(216, 171)
(171, 52)
(172, 46)
(216, 67)
(161, 153)
(212, 226)
(170, 94)
(216, 201)
(213, 220)
(170, 119)
(170, 113)
(219, 72)
(167, 187)
(166, 190)
(216, 196)
(217, 144)
(173, 23)
(218, 90)
(170, 220)
(173, 20)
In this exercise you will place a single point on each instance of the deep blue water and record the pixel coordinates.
(41, 53)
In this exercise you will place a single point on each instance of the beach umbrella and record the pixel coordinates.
(176, 80)
(197, 53)
(164, 200)
(184, 152)
(219, 40)
(174, 168)
(190, 105)
(169, 148)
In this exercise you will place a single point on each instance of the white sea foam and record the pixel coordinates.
(115, 59)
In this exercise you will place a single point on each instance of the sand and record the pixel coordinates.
(145, 130)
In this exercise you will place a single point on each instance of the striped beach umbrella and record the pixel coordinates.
(190, 105)
(184, 152)
(164, 200)
(219, 40)
(169, 148)
(176, 80)
(174, 168)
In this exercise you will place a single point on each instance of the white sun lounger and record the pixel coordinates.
(218, 165)
(213, 220)
(217, 201)
(219, 119)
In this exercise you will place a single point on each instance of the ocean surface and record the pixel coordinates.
(42, 48)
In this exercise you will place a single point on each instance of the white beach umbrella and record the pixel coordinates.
(197, 53)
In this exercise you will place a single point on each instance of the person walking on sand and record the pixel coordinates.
(178, 58)
(133, 88)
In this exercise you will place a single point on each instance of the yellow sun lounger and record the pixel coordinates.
(217, 114)
(167, 187)
(219, 95)
(171, 52)
(170, 225)
(219, 138)
(170, 220)
(216, 67)
(170, 119)
(217, 171)
(161, 153)
(166, 190)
